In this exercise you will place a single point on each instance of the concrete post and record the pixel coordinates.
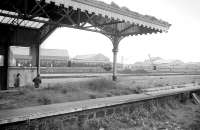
(115, 51)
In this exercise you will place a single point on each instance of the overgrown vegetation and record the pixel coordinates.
(58, 93)
(101, 85)
(138, 71)
(196, 124)
(147, 116)
(85, 89)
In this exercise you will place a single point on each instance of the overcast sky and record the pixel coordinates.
(181, 42)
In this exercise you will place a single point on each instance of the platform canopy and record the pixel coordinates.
(44, 16)
(30, 22)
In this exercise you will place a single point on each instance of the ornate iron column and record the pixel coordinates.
(115, 41)
(115, 50)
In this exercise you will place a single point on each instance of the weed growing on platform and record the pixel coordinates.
(92, 96)
(101, 85)
(44, 100)
(80, 90)
(196, 124)
(147, 116)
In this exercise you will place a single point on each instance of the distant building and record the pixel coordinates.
(159, 61)
(161, 64)
(90, 60)
(54, 57)
(48, 57)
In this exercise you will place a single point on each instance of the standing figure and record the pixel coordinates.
(17, 81)
(37, 81)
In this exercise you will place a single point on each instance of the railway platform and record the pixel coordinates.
(31, 113)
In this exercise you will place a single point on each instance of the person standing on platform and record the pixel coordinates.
(17, 81)
(37, 81)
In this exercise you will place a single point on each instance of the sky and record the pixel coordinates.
(181, 42)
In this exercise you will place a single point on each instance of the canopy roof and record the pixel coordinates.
(113, 11)
(35, 14)
(91, 15)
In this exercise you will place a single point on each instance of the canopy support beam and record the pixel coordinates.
(6, 64)
(35, 52)
(38, 58)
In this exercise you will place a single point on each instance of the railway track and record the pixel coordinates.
(92, 75)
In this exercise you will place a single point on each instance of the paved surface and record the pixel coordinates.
(15, 115)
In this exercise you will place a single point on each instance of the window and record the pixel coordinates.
(1, 60)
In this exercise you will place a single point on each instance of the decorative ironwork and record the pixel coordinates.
(37, 19)
(38, 13)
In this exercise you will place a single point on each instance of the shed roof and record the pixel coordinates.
(92, 57)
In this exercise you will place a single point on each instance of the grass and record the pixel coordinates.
(138, 71)
(147, 116)
(92, 96)
(84, 89)
(196, 124)
(101, 85)
(59, 93)
(150, 115)
(44, 100)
